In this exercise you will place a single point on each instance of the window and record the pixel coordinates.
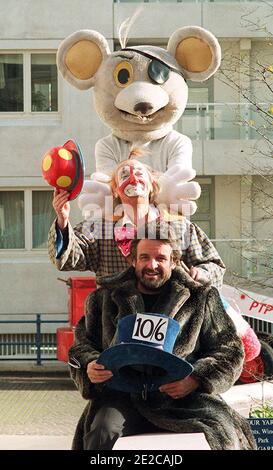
(42, 217)
(12, 222)
(25, 218)
(28, 82)
(43, 82)
(11, 82)
(204, 216)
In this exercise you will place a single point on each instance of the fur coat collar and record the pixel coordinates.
(124, 292)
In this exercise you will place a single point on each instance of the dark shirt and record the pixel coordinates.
(149, 301)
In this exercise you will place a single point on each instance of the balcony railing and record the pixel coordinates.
(35, 345)
(225, 121)
(248, 260)
(184, 1)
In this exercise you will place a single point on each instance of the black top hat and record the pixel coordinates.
(143, 359)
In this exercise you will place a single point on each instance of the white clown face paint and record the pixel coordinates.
(133, 180)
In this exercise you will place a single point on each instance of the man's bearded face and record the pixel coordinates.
(154, 264)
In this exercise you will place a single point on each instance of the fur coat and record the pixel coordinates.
(207, 340)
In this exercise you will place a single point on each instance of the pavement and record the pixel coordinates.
(41, 411)
(38, 412)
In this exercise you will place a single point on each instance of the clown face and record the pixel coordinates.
(133, 180)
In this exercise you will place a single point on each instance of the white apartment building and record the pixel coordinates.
(39, 110)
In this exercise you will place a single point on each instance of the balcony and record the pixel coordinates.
(225, 18)
(184, 1)
(226, 121)
(249, 263)
(229, 138)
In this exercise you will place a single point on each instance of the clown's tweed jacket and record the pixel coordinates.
(207, 339)
(91, 246)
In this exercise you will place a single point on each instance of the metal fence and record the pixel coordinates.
(37, 346)
(260, 326)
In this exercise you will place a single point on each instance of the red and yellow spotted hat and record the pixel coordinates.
(63, 168)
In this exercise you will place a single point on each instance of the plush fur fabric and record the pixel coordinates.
(115, 105)
(207, 339)
(80, 55)
(195, 56)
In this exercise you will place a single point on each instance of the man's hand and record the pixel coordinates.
(194, 273)
(180, 388)
(97, 373)
(62, 207)
(199, 275)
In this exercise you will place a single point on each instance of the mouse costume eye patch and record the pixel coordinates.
(158, 70)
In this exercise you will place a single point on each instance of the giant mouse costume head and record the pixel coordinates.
(140, 91)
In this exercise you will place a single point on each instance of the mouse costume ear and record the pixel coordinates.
(79, 57)
(197, 51)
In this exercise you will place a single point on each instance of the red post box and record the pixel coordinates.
(79, 289)
(65, 338)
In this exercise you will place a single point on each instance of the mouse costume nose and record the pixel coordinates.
(141, 98)
(143, 107)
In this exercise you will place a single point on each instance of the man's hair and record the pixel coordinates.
(158, 230)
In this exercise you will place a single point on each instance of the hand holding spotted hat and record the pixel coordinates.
(63, 168)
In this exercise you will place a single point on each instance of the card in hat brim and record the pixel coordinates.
(121, 358)
(77, 184)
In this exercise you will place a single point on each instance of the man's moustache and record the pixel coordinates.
(146, 271)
